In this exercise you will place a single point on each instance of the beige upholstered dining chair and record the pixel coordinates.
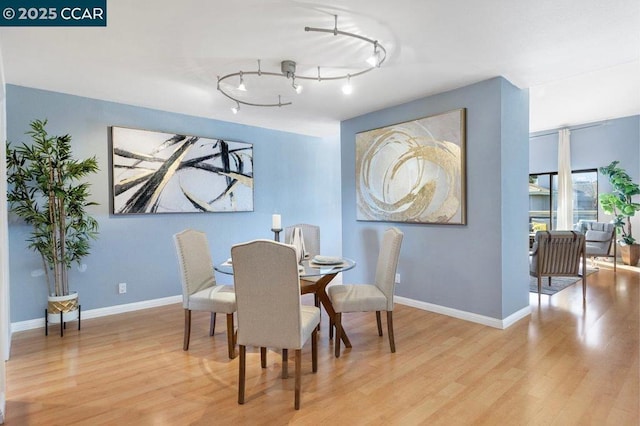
(199, 289)
(311, 238)
(559, 254)
(270, 313)
(371, 297)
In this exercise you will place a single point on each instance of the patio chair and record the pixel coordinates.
(599, 237)
(559, 254)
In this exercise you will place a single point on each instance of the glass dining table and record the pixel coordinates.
(319, 276)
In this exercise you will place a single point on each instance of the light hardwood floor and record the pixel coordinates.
(562, 365)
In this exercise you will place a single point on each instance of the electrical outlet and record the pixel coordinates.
(122, 288)
(397, 278)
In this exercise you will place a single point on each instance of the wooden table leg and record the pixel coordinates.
(321, 291)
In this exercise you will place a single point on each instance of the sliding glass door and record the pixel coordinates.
(543, 200)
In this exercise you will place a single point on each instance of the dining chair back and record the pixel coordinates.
(199, 289)
(310, 236)
(311, 240)
(270, 312)
(388, 264)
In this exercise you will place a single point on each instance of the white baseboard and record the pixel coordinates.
(515, 317)
(102, 312)
(146, 304)
(463, 315)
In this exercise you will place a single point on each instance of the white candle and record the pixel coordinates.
(276, 222)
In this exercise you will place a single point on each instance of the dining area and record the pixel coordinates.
(264, 307)
(131, 369)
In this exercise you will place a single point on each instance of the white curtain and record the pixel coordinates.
(565, 184)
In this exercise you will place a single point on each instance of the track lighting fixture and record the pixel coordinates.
(288, 70)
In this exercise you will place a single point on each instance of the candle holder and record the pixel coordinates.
(276, 234)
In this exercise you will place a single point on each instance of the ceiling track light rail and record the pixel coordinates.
(288, 70)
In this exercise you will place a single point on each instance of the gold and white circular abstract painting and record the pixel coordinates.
(413, 171)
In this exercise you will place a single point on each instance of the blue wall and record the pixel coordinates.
(480, 268)
(295, 175)
(593, 145)
(514, 189)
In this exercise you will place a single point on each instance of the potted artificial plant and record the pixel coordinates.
(620, 203)
(45, 190)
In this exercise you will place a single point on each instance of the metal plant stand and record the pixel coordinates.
(63, 324)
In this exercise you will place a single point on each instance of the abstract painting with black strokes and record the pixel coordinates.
(156, 172)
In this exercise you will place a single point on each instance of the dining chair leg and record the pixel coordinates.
(392, 342)
(379, 321)
(314, 351)
(187, 329)
(230, 337)
(241, 375)
(331, 325)
(263, 357)
(316, 303)
(338, 324)
(212, 324)
(285, 363)
(298, 377)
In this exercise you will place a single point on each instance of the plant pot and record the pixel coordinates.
(630, 254)
(68, 305)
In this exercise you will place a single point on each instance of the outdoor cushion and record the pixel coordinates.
(598, 236)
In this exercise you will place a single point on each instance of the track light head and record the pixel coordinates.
(374, 59)
(347, 89)
(241, 86)
(296, 87)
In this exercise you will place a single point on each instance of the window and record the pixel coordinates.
(543, 200)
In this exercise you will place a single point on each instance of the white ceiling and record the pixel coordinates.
(579, 58)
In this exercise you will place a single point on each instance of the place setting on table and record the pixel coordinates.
(323, 265)
(316, 266)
